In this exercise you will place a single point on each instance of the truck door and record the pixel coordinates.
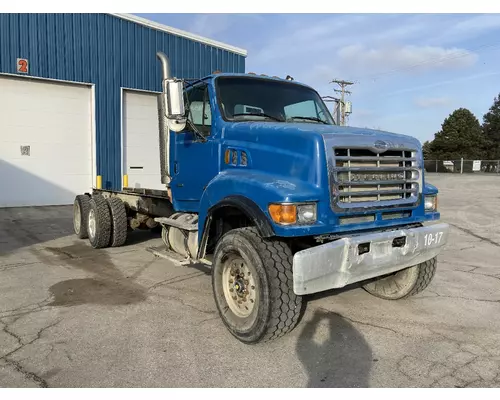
(195, 161)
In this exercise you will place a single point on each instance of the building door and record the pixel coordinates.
(141, 154)
(45, 141)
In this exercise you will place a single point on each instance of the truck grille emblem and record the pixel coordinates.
(381, 145)
(379, 176)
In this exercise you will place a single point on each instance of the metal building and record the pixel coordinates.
(78, 100)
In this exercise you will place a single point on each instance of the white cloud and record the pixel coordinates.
(294, 38)
(468, 28)
(410, 58)
(441, 83)
(210, 25)
(317, 47)
(363, 65)
(431, 102)
(217, 26)
(364, 47)
(321, 73)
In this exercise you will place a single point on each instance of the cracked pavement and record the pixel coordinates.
(72, 316)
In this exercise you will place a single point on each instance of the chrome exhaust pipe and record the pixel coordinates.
(164, 138)
(165, 65)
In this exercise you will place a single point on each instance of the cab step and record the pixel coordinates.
(177, 259)
(161, 252)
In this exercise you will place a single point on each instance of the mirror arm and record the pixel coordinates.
(196, 131)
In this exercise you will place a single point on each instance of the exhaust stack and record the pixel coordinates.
(164, 130)
(165, 66)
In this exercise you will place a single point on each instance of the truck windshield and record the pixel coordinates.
(258, 99)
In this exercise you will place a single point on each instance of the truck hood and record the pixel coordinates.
(300, 152)
(358, 136)
(378, 141)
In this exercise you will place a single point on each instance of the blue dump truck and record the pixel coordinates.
(279, 201)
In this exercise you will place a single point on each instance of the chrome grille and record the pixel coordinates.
(364, 176)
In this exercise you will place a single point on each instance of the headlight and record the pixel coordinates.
(306, 213)
(290, 213)
(431, 203)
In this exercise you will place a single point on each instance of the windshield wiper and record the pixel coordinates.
(311, 119)
(260, 115)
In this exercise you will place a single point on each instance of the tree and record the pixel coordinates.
(427, 150)
(491, 129)
(460, 136)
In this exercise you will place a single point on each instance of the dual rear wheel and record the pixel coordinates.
(102, 220)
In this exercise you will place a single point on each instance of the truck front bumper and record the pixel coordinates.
(339, 263)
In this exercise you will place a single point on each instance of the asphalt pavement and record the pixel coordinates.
(72, 316)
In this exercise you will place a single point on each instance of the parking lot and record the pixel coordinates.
(72, 316)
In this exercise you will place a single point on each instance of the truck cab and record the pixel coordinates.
(281, 202)
(274, 141)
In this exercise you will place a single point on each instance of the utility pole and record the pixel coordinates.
(343, 84)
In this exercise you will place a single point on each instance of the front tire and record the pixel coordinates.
(405, 283)
(253, 286)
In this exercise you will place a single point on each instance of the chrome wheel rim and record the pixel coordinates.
(76, 217)
(92, 223)
(164, 237)
(238, 285)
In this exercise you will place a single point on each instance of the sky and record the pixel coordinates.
(410, 71)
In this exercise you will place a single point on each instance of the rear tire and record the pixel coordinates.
(405, 283)
(253, 286)
(99, 222)
(118, 222)
(80, 215)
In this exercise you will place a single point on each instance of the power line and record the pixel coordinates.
(440, 83)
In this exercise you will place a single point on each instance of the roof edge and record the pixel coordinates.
(174, 31)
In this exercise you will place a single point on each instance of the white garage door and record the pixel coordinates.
(45, 142)
(141, 154)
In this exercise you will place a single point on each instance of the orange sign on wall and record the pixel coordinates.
(22, 65)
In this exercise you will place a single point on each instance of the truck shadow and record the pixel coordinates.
(141, 236)
(333, 352)
(335, 292)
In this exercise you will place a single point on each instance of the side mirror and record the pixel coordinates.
(173, 98)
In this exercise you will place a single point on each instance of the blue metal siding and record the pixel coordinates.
(111, 53)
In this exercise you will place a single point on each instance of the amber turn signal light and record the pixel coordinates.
(283, 213)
